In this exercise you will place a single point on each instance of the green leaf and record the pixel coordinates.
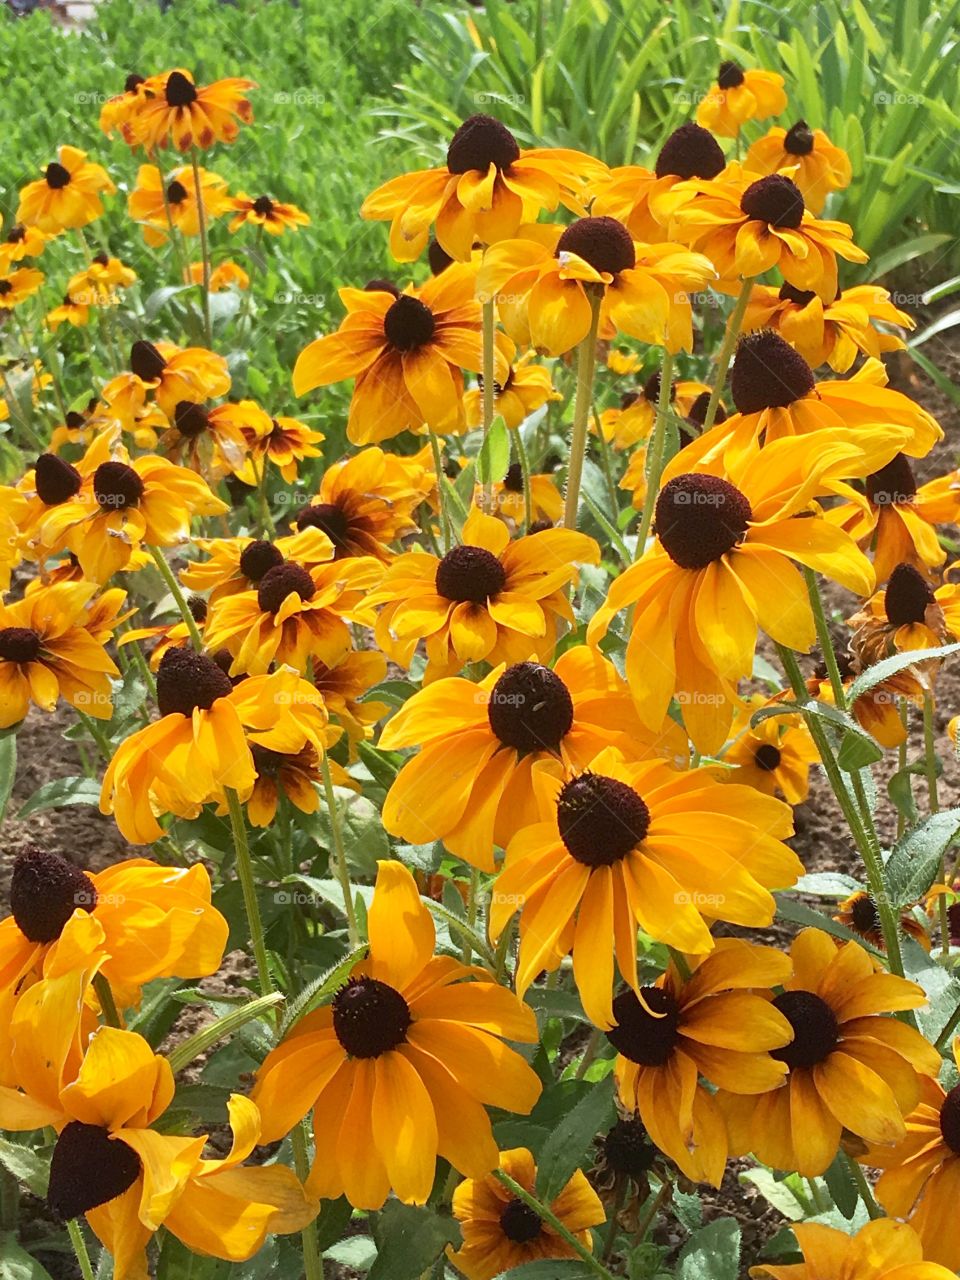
(26, 1165)
(409, 1240)
(494, 456)
(177, 1262)
(569, 1143)
(567, 1269)
(713, 1253)
(827, 884)
(8, 768)
(16, 1263)
(842, 1187)
(62, 792)
(776, 1192)
(316, 992)
(221, 1029)
(915, 860)
(858, 751)
(881, 671)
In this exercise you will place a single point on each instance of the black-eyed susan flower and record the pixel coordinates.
(740, 95)
(18, 285)
(47, 653)
(344, 688)
(507, 500)
(400, 1067)
(487, 190)
(71, 312)
(877, 710)
(169, 635)
(714, 1024)
(203, 741)
(170, 374)
(296, 614)
(68, 194)
(625, 844)
(124, 400)
(634, 418)
(850, 1066)
(225, 275)
(544, 282)
(285, 445)
(882, 1250)
(528, 387)
(719, 569)
(273, 216)
(121, 106)
(98, 284)
(122, 504)
(13, 512)
(405, 353)
(156, 202)
(631, 195)
(213, 439)
(829, 332)
(903, 615)
(180, 112)
(518, 720)
(22, 242)
(858, 911)
(811, 159)
(487, 600)
(112, 1164)
(775, 755)
(239, 564)
(296, 776)
(501, 1232)
(747, 226)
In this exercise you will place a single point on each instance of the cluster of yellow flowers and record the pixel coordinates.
(587, 749)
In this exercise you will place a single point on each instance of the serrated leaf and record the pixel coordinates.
(16, 1263)
(912, 866)
(27, 1166)
(60, 793)
(222, 1029)
(409, 1240)
(858, 751)
(713, 1253)
(565, 1148)
(888, 667)
(316, 992)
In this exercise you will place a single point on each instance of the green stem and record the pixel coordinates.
(312, 1259)
(204, 248)
(656, 459)
(648, 1219)
(901, 766)
(620, 1195)
(267, 526)
(108, 1006)
(863, 1187)
(473, 895)
(591, 1049)
(488, 312)
(445, 526)
(173, 586)
(524, 459)
(241, 847)
(96, 733)
(80, 1249)
(254, 258)
(933, 798)
(547, 1215)
(586, 368)
(949, 1029)
(826, 640)
(340, 853)
(726, 352)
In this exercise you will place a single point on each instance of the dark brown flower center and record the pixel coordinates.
(187, 680)
(815, 1029)
(381, 286)
(438, 257)
(530, 708)
(519, 1223)
(627, 1148)
(179, 91)
(604, 243)
(176, 192)
(190, 419)
(789, 293)
(89, 1168)
(600, 819)
(5, 288)
(730, 75)
(57, 481)
(17, 234)
(258, 558)
(767, 757)
(651, 389)
(45, 890)
(57, 176)
(470, 574)
(698, 410)
(480, 142)
(864, 916)
(775, 200)
(370, 1017)
(799, 139)
(893, 485)
(198, 608)
(132, 81)
(19, 644)
(907, 597)
(277, 583)
(329, 519)
(647, 1036)
(690, 152)
(146, 361)
(513, 480)
(116, 486)
(699, 518)
(950, 1119)
(409, 323)
(263, 205)
(768, 373)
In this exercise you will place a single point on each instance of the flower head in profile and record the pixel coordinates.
(99, 283)
(180, 113)
(70, 311)
(633, 420)
(405, 352)
(68, 194)
(225, 275)
(858, 912)
(834, 332)
(775, 755)
(168, 374)
(547, 282)
(213, 439)
(850, 1065)
(904, 615)
(508, 503)
(156, 201)
(519, 720)
(487, 190)
(239, 564)
(528, 387)
(118, 109)
(489, 599)
(286, 444)
(740, 95)
(18, 285)
(813, 162)
(501, 1232)
(882, 1250)
(399, 1068)
(22, 242)
(625, 844)
(273, 216)
(716, 1024)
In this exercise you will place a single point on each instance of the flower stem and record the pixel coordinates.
(204, 248)
(445, 533)
(726, 352)
(586, 368)
(248, 886)
(620, 1195)
(340, 853)
(863, 1187)
(933, 798)
(312, 1258)
(656, 459)
(548, 1216)
(488, 309)
(173, 586)
(75, 1232)
(472, 897)
(108, 1006)
(524, 459)
(649, 1217)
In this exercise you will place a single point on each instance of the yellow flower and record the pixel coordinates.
(16, 286)
(486, 741)
(238, 564)
(815, 164)
(22, 242)
(904, 615)
(739, 96)
(850, 1066)
(116, 111)
(774, 756)
(501, 1232)
(635, 418)
(287, 442)
(714, 1023)
(528, 387)
(343, 687)
(214, 440)
(225, 275)
(68, 194)
(170, 374)
(178, 111)
(859, 913)
(487, 600)
(13, 513)
(273, 216)
(399, 1068)
(97, 284)
(507, 500)
(488, 188)
(68, 312)
(156, 202)
(881, 1250)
